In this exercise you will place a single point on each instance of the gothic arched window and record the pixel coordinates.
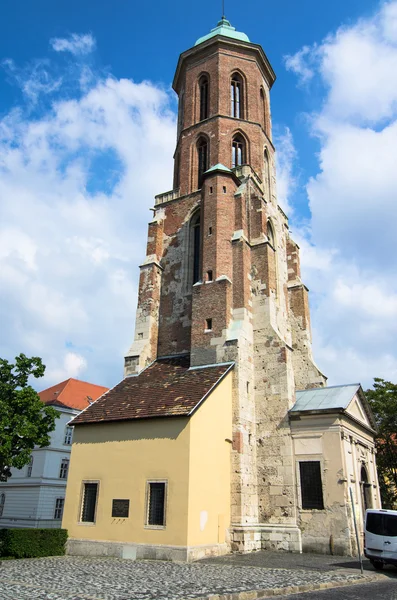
(181, 108)
(195, 228)
(238, 151)
(204, 97)
(266, 175)
(270, 234)
(202, 153)
(236, 96)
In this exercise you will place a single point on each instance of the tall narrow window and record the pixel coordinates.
(262, 105)
(156, 503)
(177, 171)
(195, 246)
(204, 97)
(266, 175)
(68, 436)
(238, 151)
(2, 502)
(311, 486)
(63, 471)
(59, 508)
(30, 467)
(202, 151)
(236, 96)
(365, 489)
(88, 507)
(270, 233)
(181, 108)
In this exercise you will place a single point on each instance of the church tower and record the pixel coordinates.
(221, 278)
(222, 435)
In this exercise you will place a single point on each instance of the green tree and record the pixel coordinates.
(383, 401)
(25, 422)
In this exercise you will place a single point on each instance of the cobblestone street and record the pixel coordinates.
(71, 578)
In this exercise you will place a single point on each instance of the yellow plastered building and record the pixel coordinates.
(154, 481)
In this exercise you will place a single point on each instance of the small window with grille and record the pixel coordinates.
(59, 508)
(68, 436)
(311, 485)
(89, 502)
(63, 471)
(156, 498)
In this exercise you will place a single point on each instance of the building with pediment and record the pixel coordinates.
(223, 435)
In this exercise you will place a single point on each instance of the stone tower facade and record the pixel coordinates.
(221, 279)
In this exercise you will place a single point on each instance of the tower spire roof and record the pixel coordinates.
(225, 28)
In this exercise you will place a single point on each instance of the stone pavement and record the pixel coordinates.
(77, 578)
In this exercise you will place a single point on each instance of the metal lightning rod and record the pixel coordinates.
(223, 9)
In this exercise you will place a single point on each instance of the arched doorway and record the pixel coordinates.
(366, 497)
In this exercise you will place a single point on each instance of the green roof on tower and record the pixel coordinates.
(224, 28)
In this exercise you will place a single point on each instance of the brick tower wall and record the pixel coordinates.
(249, 304)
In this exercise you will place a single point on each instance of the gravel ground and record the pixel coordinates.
(71, 578)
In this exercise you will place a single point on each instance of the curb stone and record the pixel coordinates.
(293, 589)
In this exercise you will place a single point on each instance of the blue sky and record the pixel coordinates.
(87, 132)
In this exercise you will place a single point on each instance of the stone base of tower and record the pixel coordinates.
(249, 538)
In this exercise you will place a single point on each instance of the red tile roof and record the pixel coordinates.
(72, 393)
(167, 388)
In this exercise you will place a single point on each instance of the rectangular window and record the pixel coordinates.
(30, 467)
(68, 436)
(88, 508)
(59, 508)
(63, 471)
(156, 503)
(311, 485)
(208, 324)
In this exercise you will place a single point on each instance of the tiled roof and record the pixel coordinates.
(72, 393)
(325, 398)
(167, 388)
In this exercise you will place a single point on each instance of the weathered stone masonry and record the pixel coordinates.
(249, 304)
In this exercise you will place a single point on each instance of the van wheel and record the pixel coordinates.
(378, 565)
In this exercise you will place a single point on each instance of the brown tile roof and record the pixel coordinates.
(72, 393)
(167, 388)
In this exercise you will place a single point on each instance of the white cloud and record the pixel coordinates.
(285, 159)
(76, 185)
(76, 44)
(73, 365)
(34, 80)
(348, 256)
(299, 63)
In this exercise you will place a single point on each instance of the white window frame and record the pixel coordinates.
(30, 467)
(147, 503)
(59, 508)
(62, 468)
(68, 436)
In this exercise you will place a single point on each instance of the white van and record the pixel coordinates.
(380, 541)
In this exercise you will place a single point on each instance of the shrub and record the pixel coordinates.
(31, 543)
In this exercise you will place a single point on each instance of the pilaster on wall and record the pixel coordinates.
(144, 348)
(307, 374)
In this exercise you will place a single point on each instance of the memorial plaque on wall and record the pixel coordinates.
(120, 508)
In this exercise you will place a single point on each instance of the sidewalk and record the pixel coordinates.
(235, 577)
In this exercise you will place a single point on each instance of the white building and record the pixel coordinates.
(34, 496)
